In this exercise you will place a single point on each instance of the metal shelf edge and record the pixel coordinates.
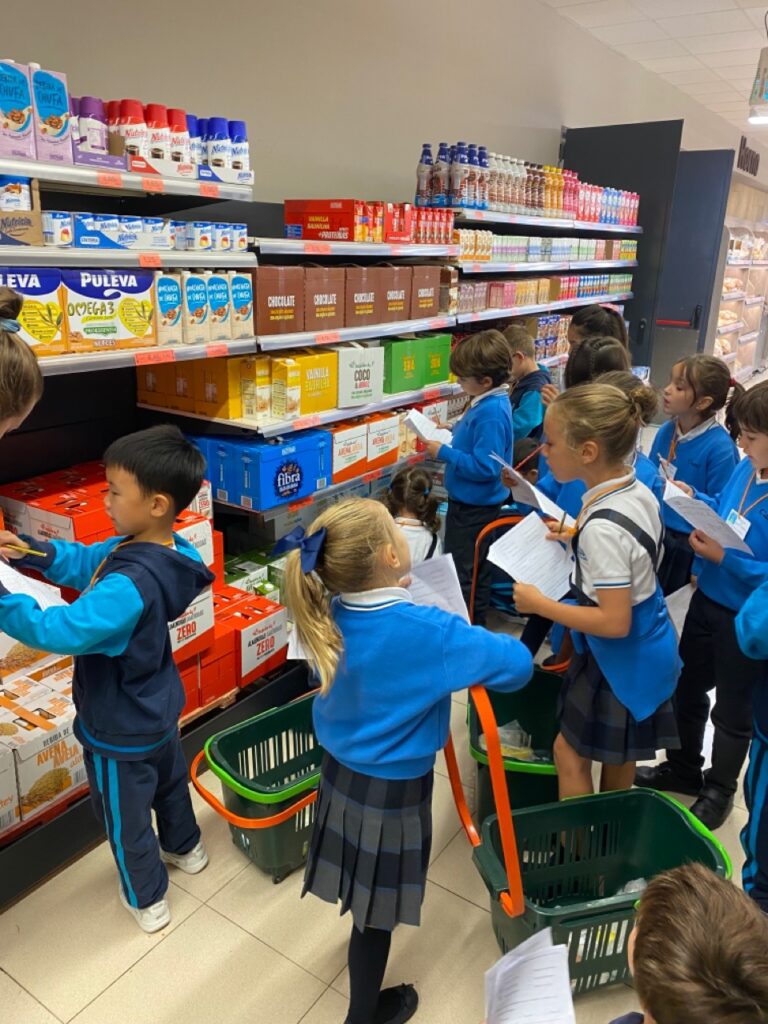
(90, 362)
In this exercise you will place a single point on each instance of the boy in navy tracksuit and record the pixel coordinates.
(126, 688)
(527, 380)
(476, 493)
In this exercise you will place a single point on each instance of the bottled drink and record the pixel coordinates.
(195, 143)
(482, 180)
(133, 128)
(177, 126)
(156, 116)
(424, 176)
(92, 125)
(459, 176)
(474, 174)
(441, 171)
(219, 144)
(493, 182)
(241, 154)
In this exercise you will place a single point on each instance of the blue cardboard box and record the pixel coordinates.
(284, 470)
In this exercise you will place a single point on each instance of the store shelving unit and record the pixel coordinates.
(494, 267)
(303, 339)
(746, 271)
(94, 362)
(495, 217)
(544, 307)
(50, 256)
(308, 247)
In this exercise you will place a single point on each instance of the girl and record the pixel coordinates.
(412, 505)
(711, 655)
(594, 320)
(615, 702)
(386, 669)
(21, 382)
(693, 448)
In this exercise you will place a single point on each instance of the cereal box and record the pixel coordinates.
(109, 309)
(42, 315)
(9, 794)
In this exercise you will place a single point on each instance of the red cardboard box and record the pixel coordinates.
(228, 599)
(197, 529)
(330, 220)
(218, 556)
(72, 515)
(218, 674)
(189, 673)
(261, 638)
(192, 632)
(399, 222)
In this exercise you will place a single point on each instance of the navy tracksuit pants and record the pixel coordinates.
(124, 794)
(754, 835)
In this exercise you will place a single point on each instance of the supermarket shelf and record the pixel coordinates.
(730, 357)
(738, 263)
(89, 362)
(545, 307)
(732, 296)
(744, 373)
(326, 492)
(759, 263)
(321, 419)
(491, 266)
(730, 328)
(753, 300)
(270, 343)
(309, 247)
(496, 217)
(79, 178)
(554, 360)
(601, 264)
(47, 255)
(746, 339)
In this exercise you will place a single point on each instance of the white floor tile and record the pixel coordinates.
(455, 871)
(71, 938)
(445, 820)
(331, 1008)
(19, 1007)
(208, 970)
(460, 733)
(605, 1004)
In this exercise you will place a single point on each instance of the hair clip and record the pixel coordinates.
(309, 546)
(427, 492)
(10, 325)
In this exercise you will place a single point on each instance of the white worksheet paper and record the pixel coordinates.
(528, 557)
(702, 517)
(427, 429)
(14, 581)
(678, 605)
(436, 582)
(527, 494)
(530, 985)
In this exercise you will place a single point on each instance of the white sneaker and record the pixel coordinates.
(149, 919)
(192, 862)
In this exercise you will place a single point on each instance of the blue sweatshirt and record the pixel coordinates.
(471, 475)
(752, 625)
(568, 495)
(388, 710)
(126, 686)
(526, 403)
(738, 575)
(704, 461)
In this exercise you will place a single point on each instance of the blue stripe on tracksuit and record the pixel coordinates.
(124, 795)
(754, 835)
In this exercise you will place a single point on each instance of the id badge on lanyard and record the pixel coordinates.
(738, 523)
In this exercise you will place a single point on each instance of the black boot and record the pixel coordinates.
(713, 807)
(664, 777)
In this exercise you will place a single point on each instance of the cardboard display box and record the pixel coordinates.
(364, 302)
(425, 294)
(279, 299)
(323, 298)
(403, 364)
(396, 288)
(361, 374)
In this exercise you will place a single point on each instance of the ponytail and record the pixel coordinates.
(605, 321)
(411, 491)
(21, 382)
(311, 608)
(593, 357)
(731, 420)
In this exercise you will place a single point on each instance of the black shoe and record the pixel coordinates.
(664, 777)
(712, 807)
(396, 1005)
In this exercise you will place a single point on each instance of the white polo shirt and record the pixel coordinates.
(420, 539)
(610, 557)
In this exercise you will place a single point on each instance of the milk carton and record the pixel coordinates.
(42, 315)
(58, 227)
(17, 138)
(219, 306)
(109, 309)
(169, 308)
(50, 105)
(241, 289)
(195, 311)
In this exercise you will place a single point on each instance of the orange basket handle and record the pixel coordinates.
(457, 787)
(234, 819)
(504, 521)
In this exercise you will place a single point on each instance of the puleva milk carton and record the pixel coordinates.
(109, 309)
(17, 137)
(50, 106)
(169, 308)
(196, 314)
(42, 315)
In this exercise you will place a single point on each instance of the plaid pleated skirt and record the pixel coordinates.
(370, 846)
(598, 726)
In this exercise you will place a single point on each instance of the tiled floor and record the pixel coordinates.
(241, 950)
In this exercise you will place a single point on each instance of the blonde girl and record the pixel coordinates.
(21, 382)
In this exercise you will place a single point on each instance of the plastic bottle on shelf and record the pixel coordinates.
(514, 186)
(493, 182)
(218, 143)
(92, 125)
(202, 124)
(548, 189)
(424, 176)
(459, 176)
(179, 145)
(482, 179)
(74, 121)
(441, 174)
(113, 116)
(195, 144)
(133, 128)
(156, 116)
(241, 153)
(474, 173)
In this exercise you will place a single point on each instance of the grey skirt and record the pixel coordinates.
(370, 846)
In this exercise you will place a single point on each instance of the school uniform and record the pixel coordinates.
(475, 489)
(615, 702)
(752, 635)
(704, 458)
(630, 1018)
(381, 723)
(526, 404)
(126, 689)
(422, 542)
(709, 647)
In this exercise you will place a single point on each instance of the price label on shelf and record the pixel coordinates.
(218, 349)
(210, 189)
(305, 422)
(150, 259)
(109, 179)
(430, 394)
(304, 503)
(375, 474)
(152, 183)
(318, 248)
(157, 355)
(438, 322)
(413, 459)
(397, 250)
(328, 338)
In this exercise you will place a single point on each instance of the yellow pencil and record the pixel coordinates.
(24, 551)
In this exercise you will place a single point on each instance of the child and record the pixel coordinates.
(615, 702)
(752, 635)
(591, 321)
(21, 382)
(698, 952)
(126, 688)
(482, 365)
(527, 380)
(693, 448)
(411, 503)
(386, 669)
(525, 457)
(709, 648)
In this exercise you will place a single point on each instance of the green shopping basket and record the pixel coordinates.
(564, 865)
(269, 767)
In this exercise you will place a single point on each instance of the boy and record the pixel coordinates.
(126, 687)
(528, 380)
(752, 636)
(482, 364)
(525, 455)
(699, 952)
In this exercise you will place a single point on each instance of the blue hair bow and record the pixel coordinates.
(309, 545)
(12, 326)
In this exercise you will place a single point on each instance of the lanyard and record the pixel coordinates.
(122, 544)
(673, 444)
(600, 494)
(746, 511)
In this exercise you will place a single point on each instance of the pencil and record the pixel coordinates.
(24, 551)
(529, 457)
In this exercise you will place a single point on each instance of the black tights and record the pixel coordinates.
(367, 959)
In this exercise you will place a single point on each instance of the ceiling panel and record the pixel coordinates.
(700, 74)
(663, 64)
(654, 50)
(747, 58)
(668, 8)
(722, 42)
(630, 32)
(706, 24)
(604, 12)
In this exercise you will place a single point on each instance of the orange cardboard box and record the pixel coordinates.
(383, 440)
(349, 443)
(261, 638)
